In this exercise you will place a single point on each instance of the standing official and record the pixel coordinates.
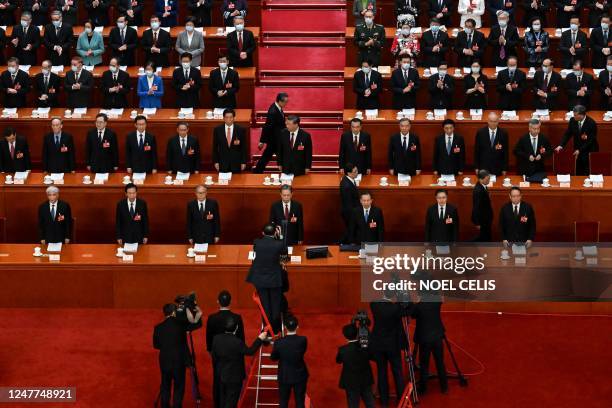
(605, 86)
(140, 149)
(404, 151)
(39, 10)
(531, 151)
(183, 151)
(349, 198)
(288, 215)
(547, 84)
(491, 147)
(15, 85)
(203, 219)
(370, 39)
(156, 43)
(574, 44)
(132, 10)
(356, 378)
(405, 83)
(115, 86)
(470, 44)
(78, 84)
(295, 150)
(503, 39)
(187, 82)
(54, 219)
(58, 155)
(224, 84)
(441, 88)
(123, 40)
(58, 40)
(442, 221)
(241, 45)
(47, 86)
(367, 222)
(449, 151)
(200, 9)
(510, 86)
(579, 86)
(367, 85)
(434, 44)
(229, 149)
(583, 132)
(482, 211)
(14, 152)
(132, 219)
(517, 221)
(25, 39)
(102, 152)
(270, 133)
(97, 10)
(356, 148)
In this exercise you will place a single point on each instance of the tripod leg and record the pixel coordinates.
(462, 380)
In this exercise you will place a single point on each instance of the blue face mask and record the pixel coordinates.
(56, 23)
(435, 28)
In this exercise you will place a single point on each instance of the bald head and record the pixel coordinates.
(493, 120)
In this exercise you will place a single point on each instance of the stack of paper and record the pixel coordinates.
(21, 175)
(54, 247)
(182, 176)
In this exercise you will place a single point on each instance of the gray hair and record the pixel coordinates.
(579, 109)
(534, 121)
(52, 190)
(57, 13)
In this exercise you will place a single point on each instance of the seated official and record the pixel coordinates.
(367, 85)
(475, 85)
(579, 86)
(349, 198)
(14, 152)
(115, 86)
(442, 221)
(600, 43)
(531, 150)
(434, 45)
(90, 45)
(294, 154)
(241, 45)
(102, 151)
(605, 86)
(39, 10)
(224, 84)
(574, 44)
(367, 221)
(491, 147)
(473, 9)
(58, 153)
(200, 10)
(231, 9)
(356, 148)
(58, 40)
(503, 39)
(187, 82)
(510, 86)
(97, 10)
(537, 44)
(123, 41)
(404, 151)
(68, 9)
(287, 215)
(441, 10)
(370, 39)
(132, 219)
(132, 10)
(78, 84)
(449, 151)
(47, 85)
(14, 84)
(192, 42)
(356, 378)
(441, 88)
(140, 148)
(405, 43)
(583, 132)
(167, 12)
(156, 43)
(470, 44)
(54, 219)
(203, 220)
(150, 88)
(517, 222)
(547, 84)
(360, 8)
(230, 147)
(183, 151)
(404, 83)
(25, 40)
(482, 211)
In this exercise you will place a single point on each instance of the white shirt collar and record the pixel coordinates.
(130, 202)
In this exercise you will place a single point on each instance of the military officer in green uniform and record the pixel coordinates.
(370, 38)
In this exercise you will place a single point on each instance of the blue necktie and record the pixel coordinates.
(366, 215)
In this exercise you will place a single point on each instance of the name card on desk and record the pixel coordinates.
(177, 182)
(98, 181)
(200, 248)
(591, 261)
(524, 184)
(18, 181)
(520, 260)
(296, 259)
(290, 250)
(128, 258)
(200, 258)
(54, 257)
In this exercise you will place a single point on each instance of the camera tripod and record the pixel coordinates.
(459, 375)
(409, 358)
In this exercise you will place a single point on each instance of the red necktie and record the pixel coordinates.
(286, 211)
(12, 150)
(240, 42)
(229, 137)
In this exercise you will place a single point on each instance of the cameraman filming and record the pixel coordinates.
(170, 338)
(356, 378)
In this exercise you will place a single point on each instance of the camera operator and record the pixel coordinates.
(387, 341)
(356, 378)
(170, 338)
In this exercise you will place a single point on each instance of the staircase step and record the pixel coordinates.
(269, 366)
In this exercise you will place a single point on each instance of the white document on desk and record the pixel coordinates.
(54, 247)
(182, 176)
(130, 247)
(200, 248)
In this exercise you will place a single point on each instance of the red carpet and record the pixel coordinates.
(530, 361)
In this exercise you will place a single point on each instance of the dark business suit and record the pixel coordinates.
(231, 84)
(215, 324)
(584, 139)
(372, 230)
(102, 155)
(187, 161)
(491, 155)
(605, 82)
(2, 46)
(200, 12)
(567, 59)
(524, 149)
(229, 157)
(294, 229)
(56, 229)
(191, 97)
(500, 58)
(99, 14)
(141, 159)
(125, 5)
(476, 99)
(399, 81)
(21, 84)
(540, 12)
(374, 84)
(78, 98)
(270, 135)
(7, 16)
(130, 40)
(162, 42)
(132, 228)
(443, 230)
(452, 162)
(551, 88)
(598, 41)
(173, 6)
(445, 7)
(517, 228)
(51, 89)
(359, 154)
(292, 371)
(441, 98)
(295, 159)
(477, 44)
(356, 378)
(203, 226)
(30, 37)
(573, 84)
(510, 100)
(39, 16)
(482, 212)
(430, 40)
(404, 157)
(115, 99)
(58, 157)
(21, 158)
(64, 37)
(349, 198)
(248, 45)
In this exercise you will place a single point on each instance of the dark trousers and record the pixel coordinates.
(383, 359)
(167, 377)
(271, 299)
(582, 164)
(229, 394)
(354, 396)
(265, 158)
(299, 390)
(484, 234)
(216, 388)
(425, 350)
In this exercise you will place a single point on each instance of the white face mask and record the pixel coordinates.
(223, 65)
(511, 68)
(112, 69)
(366, 70)
(605, 26)
(56, 23)
(468, 31)
(503, 23)
(405, 31)
(545, 70)
(155, 25)
(442, 72)
(405, 66)
(475, 70)
(368, 20)
(574, 27)
(239, 27)
(74, 68)
(149, 74)
(186, 65)
(87, 30)
(609, 68)
(12, 70)
(24, 23)
(536, 27)
(121, 25)
(189, 28)
(577, 72)
(45, 71)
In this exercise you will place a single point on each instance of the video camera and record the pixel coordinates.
(362, 322)
(184, 302)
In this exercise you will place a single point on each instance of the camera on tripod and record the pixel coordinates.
(362, 322)
(184, 302)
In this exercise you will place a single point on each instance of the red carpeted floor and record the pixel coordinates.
(529, 361)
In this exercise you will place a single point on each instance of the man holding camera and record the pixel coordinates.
(356, 378)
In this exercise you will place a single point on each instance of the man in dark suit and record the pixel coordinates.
(183, 151)
(491, 147)
(441, 9)
(404, 83)
(58, 40)
(115, 86)
(434, 45)
(270, 133)
(367, 222)
(224, 84)
(200, 10)
(54, 219)
(547, 84)
(2, 45)
(102, 152)
(203, 219)
(39, 10)
(349, 197)
(496, 7)
(241, 45)
(482, 212)
(98, 11)
(510, 86)
(503, 39)
(535, 9)
(356, 378)
(287, 215)
(605, 86)
(26, 40)
(367, 85)
(7, 13)
(442, 221)
(156, 44)
(583, 132)
(449, 151)
(387, 341)
(404, 151)
(295, 149)
(566, 10)
(58, 155)
(266, 274)
(470, 44)
(140, 149)
(187, 82)
(531, 151)
(441, 88)
(573, 45)
(78, 84)
(517, 222)
(47, 85)
(356, 148)
(132, 10)
(132, 219)
(579, 86)
(230, 147)
(600, 43)
(14, 152)
(292, 371)
(15, 85)
(123, 40)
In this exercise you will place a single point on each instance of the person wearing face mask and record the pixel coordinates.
(150, 88)
(573, 45)
(470, 44)
(356, 147)
(491, 147)
(240, 45)
(14, 84)
(547, 84)
(601, 38)
(361, 6)
(405, 83)
(123, 40)
(605, 86)
(90, 45)
(535, 9)
(473, 9)
(597, 9)
(405, 43)
(224, 84)
(7, 13)
(187, 82)
(156, 43)
(47, 85)
(441, 9)
(132, 9)
(25, 40)
(449, 151)
(97, 10)
(503, 39)
(579, 86)
(58, 153)
(566, 9)
(434, 44)
(370, 39)
(39, 10)
(367, 85)
(475, 85)
(536, 44)
(115, 86)
(441, 88)
(231, 9)
(58, 39)
(167, 11)
(531, 151)
(69, 10)
(192, 42)
(78, 84)
(140, 148)
(582, 130)
(510, 86)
